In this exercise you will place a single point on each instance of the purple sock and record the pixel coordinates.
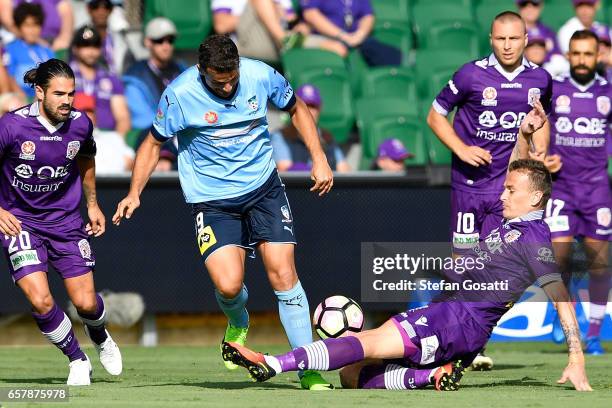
(599, 288)
(57, 328)
(95, 322)
(393, 377)
(324, 355)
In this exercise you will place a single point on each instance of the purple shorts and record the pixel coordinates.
(66, 247)
(580, 210)
(469, 211)
(442, 332)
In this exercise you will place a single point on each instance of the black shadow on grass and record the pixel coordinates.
(514, 366)
(225, 385)
(523, 382)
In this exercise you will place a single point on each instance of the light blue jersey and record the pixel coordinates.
(224, 146)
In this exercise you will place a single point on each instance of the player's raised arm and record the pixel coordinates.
(321, 173)
(147, 157)
(575, 370)
(535, 125)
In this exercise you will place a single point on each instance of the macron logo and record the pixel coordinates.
(421, 321)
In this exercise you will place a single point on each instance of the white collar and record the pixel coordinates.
(508, 75)
(530, 216)
(35, 111)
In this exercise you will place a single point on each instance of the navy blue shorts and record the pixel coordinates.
(261, 215)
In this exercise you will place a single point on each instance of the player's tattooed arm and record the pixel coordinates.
(97, 223)
(575, 370)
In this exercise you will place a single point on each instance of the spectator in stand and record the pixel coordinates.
(340, 26)
(116, 55)
(536, 52)
(604, 62)
(113, 154)
(583, 20)
(11, 95)
(260, 28)
(554, 61)
(289, 151)
(94, 80)
(26, 51)
(58, 22)
(145, 81)
(391, 156)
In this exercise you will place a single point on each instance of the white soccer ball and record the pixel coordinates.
(336, 316)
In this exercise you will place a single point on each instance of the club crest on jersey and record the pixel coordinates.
(533, 95)
(604, 217)
(85, 249)
(106, 85)
(253, 104)
(73, 149)
(159, 115)
(562, 104)
(489, 96)
(512, 236)
(27, 150)
(286, 214)
(603, 105)
(211, 117)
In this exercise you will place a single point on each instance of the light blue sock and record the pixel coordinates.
(234, 308)
(294, 314)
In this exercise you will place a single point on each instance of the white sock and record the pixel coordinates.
(274, 363)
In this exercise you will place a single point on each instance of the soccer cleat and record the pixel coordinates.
(254, 362)
(80, 372)
(448, 376)
(558, 336)
(110, 356)
(593, 346)
(233, 335)
(482, 362)
(314, 381)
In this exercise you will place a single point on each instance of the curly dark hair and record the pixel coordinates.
(218, 52)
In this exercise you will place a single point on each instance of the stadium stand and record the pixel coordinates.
(192, 19)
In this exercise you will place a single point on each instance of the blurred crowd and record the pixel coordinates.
(124, 57)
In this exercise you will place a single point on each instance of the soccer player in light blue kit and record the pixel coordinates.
(217, 109)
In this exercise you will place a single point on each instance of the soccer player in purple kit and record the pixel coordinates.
(492, 96)
(429, 345)
(46, 152)
(580, 203)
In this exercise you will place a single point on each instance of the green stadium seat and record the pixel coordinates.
(397, 82)
(303, 59)
(395, 33)
(451, 35)
(383, 118)
(438, 153)
(485, 12)
(392, 9)
(193, 19)
(429, 13)
(337, 111)
(444, 3)
(357, 69)
(557, 12)
(431, 62)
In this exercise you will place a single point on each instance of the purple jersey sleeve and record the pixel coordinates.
(118, 88)
(546, 98)
(88, 149)
(5, 137)
(455, 93)
(539, 257)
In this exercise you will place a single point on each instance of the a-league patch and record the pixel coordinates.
(24, 258)
(85, 249)
(73, 149)
(604, 217)
(206, 239)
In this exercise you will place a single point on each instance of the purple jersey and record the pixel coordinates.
(344, 14)
(550, 39)
(517, 251)
(40, 178)
(491, 105)
(104, 86)
(579, 130)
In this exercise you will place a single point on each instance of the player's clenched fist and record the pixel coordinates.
(323, 177)
(534, 120)
(97, 223)
(9, 225)
(474, 155)
(125, 208)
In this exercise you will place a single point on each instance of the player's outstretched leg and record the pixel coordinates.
(482, 362)
(238, 320)
(294, 313)
(393, 376)
(95, 328)
(57, 328)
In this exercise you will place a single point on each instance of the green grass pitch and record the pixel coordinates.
(524, 376)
